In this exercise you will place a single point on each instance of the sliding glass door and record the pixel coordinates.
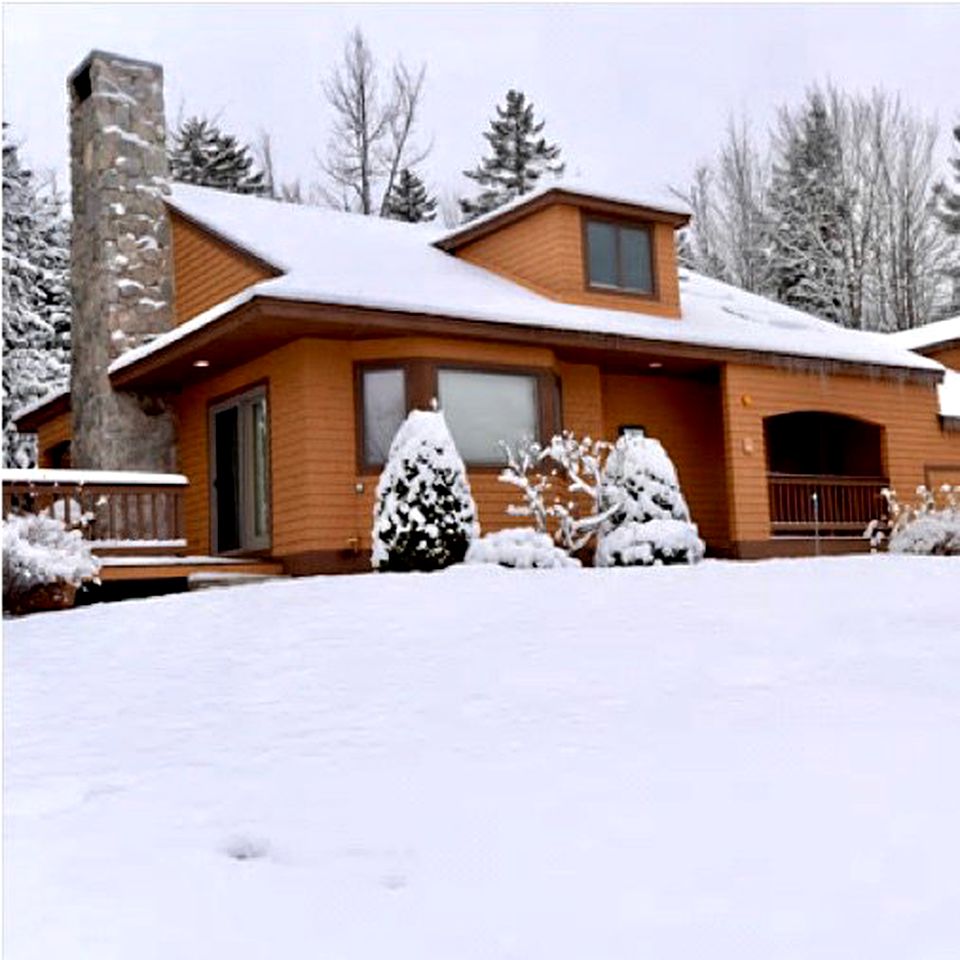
(239, 467)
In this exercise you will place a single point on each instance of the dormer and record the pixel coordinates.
(581, 247)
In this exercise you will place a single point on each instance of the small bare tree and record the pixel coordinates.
(373, 132)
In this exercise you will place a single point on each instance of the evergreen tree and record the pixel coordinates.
(204, 155)
(520, 158)
(807, 205)
(424, 516)
(947, 208)
(36, 299)
(408, 200)
(646, 518)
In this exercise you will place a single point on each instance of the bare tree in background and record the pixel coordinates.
(373, 131)
(889, 255)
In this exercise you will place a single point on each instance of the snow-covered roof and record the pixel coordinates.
(580, 188)
(929, 335)
(38, 404)
(339, 258)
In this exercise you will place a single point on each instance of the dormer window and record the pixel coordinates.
(619, 257)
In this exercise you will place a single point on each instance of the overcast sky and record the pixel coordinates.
(635, 95)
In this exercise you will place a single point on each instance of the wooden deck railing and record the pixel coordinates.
(118, 511)
(802, 504)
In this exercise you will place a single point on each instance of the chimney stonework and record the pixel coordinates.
(121, 258)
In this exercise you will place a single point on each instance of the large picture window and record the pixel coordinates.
(619, 257)
(482, 409)
(384, 408)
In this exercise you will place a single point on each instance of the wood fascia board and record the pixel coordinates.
(319, 319)
(41, 415)
(558, 195)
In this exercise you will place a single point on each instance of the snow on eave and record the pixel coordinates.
(37, 405)
(576, 188)
(178, 333)
(111, 477)
(928, 335)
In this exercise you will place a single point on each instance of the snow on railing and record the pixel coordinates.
(137, 510)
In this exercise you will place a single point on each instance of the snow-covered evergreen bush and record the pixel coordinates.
(36, 299)
(646, 518)
(40, 551)
(522, 548)
(424, 515)
(930, 526)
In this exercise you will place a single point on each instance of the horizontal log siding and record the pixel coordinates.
(292, 451)
(51, 433)
(207, 270)
(686, 416)
(949, 356)
(907, 411)
(544, 251)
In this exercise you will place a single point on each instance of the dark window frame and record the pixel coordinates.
(619, 223)
(422, 383)
(254, 389)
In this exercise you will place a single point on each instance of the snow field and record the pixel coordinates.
(724, 761)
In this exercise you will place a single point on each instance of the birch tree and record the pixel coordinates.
(373, 133)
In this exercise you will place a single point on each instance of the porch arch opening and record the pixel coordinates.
(825, 473)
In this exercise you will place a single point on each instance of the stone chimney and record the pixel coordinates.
(121, 258)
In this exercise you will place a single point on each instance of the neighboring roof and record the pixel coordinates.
(929, 335)
(335, 258)
(576, 189)
(24, 415)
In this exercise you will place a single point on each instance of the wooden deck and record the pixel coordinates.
(133, 521)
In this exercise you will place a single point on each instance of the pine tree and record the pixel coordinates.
(408, 200)
(947, 209)
(204, 155)
(807, 207)
(36, 299)
(424, 516)
(520, 158)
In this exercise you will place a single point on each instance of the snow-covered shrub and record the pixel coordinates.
(646, 518)
(571, 513)
(40, 552)
(652, 541)
(930, 526)
(522, 548)
(424, 515)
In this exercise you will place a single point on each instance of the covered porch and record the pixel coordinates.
(825, 474)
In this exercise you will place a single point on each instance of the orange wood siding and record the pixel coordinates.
(948, 356)
(907, 411)
(50, 434)
(206, 270)
(686, 416)
(544, 251)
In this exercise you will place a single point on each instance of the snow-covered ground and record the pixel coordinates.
(728, 761)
